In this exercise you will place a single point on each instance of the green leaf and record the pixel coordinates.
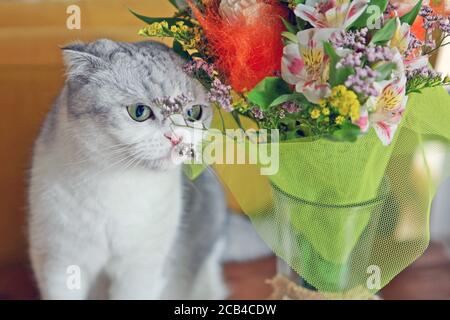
(269, 89)
(290, 36)
(285, 98)
(385, 71)
(170, 21)
(386, 33)
(411, 16)
(174, 3)
(178, 48)
(237, 118)
(348, 132)
(370, 12)
(337, 75)
(289, 26)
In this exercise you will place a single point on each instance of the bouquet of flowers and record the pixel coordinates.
(348, 86)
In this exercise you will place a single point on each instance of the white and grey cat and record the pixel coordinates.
(106, 198)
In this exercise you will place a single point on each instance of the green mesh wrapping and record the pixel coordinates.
(335, 210)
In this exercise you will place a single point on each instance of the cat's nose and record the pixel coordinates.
(173, 138)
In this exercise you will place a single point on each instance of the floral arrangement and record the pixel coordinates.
(321, 71)
(323, 68)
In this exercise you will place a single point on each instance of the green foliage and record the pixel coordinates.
(269, 89)
(289, 26)
(170, 21)
(174, 3)
(363, 19)
(411, 16)
(290, 36)
(417, 83)
(178, 48)
(385, 71)
(286, 98)
(386, 33)
(337, 75)
(348, 132)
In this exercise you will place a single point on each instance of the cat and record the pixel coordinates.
(109, 209)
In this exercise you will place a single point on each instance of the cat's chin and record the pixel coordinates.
(171, 161)
(165, 163)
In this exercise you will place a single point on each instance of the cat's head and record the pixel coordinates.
(119, 100)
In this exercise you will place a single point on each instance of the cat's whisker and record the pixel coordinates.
(98, 173)
(106, 153)
(87, 159)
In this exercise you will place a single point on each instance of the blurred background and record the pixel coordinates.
(31, 75)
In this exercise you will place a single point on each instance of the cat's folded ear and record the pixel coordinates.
(79, 62)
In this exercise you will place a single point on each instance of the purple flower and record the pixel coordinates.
(425, 72)
(290, 107)
(414, 43)
(429, 18)
(444, 25)
(430, 42)
(432, 21)
(257, 113)
(355, 40)
(172, 105)
(378, 53)
(362, 81)
(194, 66)
(221, 94)
(353, 59)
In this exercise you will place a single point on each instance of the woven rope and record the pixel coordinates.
(285, 289)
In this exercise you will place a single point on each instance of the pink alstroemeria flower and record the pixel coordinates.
(331, 13)
(306, 65)
(387, 109)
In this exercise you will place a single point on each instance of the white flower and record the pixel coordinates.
(331, 13)
(387, 109)
(401, 37)
(306, 65)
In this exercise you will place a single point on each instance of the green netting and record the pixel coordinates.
(335, 211)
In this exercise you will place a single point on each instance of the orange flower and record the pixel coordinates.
(404, 6)
(418, 29)
(440, 6)
(246, 49)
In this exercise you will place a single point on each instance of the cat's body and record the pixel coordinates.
(106, 201)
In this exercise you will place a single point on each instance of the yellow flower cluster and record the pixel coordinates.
(315, 113)
(239, 102)
(189, 37)
(340, 120)
(156, 29)
(196, 40)
(292, 4)
(345, 101)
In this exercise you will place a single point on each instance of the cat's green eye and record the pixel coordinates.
(140, 112)
(194, 113)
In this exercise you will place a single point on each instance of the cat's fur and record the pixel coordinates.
(105, 196)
